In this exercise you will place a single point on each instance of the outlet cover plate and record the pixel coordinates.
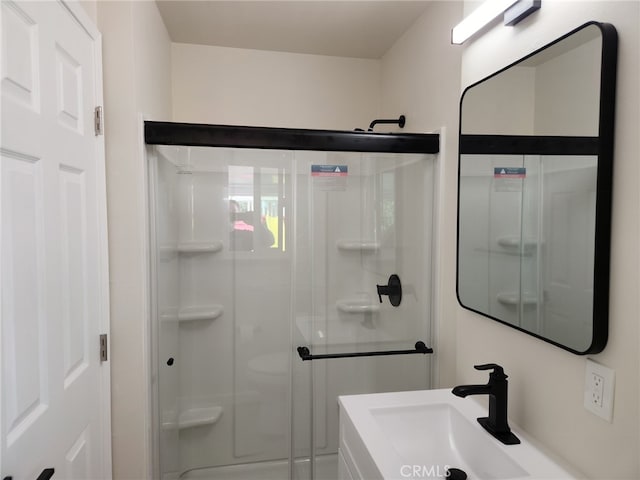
(599, 385)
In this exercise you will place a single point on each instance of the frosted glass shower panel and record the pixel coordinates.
(526, 242)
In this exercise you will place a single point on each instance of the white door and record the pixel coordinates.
(55, 390)
(569, 201)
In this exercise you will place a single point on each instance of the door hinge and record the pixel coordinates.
(97, 121)
(103, 347)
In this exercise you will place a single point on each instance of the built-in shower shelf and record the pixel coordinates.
(358, 245)
(194, 417)
(510, 252)
(356, 305)
(190, 314)
(200, 247)
(514, 298)
(514, 241)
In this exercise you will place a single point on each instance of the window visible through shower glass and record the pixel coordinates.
(257, 207)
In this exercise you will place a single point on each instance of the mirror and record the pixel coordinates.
(534, 191)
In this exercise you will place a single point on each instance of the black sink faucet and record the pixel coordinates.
(496, 423)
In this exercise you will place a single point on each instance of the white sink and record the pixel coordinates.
(411, 435)
(448, 436)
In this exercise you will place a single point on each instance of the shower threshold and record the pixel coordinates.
(326, 469)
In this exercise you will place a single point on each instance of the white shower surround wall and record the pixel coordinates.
(221, 363)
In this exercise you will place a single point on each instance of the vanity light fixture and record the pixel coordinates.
(520, 11)
(514, 10)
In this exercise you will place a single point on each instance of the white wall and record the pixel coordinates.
(254, 87)
(546, 383)
(421, 79)
(136, 56)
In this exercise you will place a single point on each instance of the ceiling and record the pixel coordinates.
(360, 28)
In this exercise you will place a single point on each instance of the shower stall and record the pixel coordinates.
(263, 241)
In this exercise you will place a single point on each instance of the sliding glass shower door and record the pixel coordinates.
(364, 217)
(224, 299)
(257, 253)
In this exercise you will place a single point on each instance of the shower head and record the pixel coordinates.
(399, 121)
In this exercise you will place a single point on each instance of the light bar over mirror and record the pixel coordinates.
(514, 12)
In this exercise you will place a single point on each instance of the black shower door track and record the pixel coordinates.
(201, 135)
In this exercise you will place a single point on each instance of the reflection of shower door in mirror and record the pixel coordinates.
(256, 254)
(533, 235)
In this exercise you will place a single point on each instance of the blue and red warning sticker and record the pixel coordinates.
(329, 170)
(509, 172)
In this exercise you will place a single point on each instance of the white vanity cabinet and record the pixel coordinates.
(354, 460)
(343, 470)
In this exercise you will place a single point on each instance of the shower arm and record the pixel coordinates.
(400, 121)
(420, 347)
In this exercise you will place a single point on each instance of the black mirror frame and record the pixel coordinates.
(602, 146)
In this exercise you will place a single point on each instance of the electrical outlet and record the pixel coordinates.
(599, 385)
(597, 389)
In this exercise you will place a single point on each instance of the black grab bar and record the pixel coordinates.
(420, 347)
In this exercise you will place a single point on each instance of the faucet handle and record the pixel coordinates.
(497, 369)
(393, 289)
